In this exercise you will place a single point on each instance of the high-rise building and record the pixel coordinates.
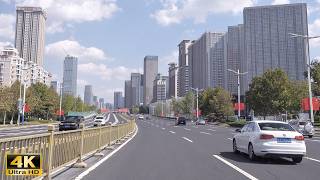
(136, 81)
(55, 85)
(10, 66)
(150, 72)
(160, 88)
(127, 94)
(88, 95)
(268, 44)
(109, 106)
(30, 34)
(183, 72)
(70, 68)
(101, 103)
(235, 58)
(207, 60)
(118, 100)
(13, 68)
(218, 61)
(95, 101)
(173, 80)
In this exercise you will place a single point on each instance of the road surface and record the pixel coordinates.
(163, 151)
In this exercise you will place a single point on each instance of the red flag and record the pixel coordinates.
(236, 106)
(26, 108)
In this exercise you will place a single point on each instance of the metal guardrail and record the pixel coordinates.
(317, 132)
(60, 148)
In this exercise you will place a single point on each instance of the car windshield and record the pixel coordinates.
(71, 119)
(275, 127)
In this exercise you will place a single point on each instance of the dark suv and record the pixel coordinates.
(181, 120)
(71, 122)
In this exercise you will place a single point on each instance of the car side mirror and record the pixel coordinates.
(238, 130)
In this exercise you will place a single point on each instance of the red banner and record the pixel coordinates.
(26, 108)
(199, 112)
(123, 110)
(58, 113)
(315, 103)
(236, 106)
(104, 110)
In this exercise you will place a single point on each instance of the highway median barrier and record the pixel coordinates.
(58, 149)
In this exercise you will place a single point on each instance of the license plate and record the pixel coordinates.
(283, 140)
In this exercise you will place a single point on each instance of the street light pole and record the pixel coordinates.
(238, 74)
(197, 96)
(60, 103)
(306, 40)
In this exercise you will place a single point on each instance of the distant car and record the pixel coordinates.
(140, 117)
(270, 139)
(305, 127)
(71, 123)
(201, 121)
(100, 120)
(181, 120)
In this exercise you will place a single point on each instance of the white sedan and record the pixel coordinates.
(270, 139)
(100, 120)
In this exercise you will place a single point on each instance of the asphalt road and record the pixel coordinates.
(162, 151)
(38, 129)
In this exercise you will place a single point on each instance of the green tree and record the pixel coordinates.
(216, 104)
(135, 110)
(186, 104)
(315, 76)
(271, 93)
(299, 90)
(42, 100)
(144, 109)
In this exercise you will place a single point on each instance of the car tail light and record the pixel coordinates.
(299, 138)
(266, 136)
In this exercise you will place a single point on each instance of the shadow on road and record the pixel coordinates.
(243, 158)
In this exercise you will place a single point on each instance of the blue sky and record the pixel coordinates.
(111, 37)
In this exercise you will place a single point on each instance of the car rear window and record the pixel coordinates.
(275, 127)
(302, 123)
(99, 117)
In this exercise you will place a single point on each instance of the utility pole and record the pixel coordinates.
(306, 41)
(60, 103)
(197, 96)
(238, 74)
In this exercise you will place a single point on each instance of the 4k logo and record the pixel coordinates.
(23, 164)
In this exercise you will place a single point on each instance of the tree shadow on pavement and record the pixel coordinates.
(243, 158)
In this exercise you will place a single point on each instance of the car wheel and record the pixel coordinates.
(310, 136)
(297, 159)
(251, 154)
(234, 146)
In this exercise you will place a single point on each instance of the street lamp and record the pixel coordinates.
(197, 92)
(24, 93)
(60, 103)
(306, 39)
(238, 74)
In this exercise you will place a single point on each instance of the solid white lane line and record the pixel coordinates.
(172, 132)
(316, 160)
(86, 172)
(116, 120)
(230, 139)
(187, 129)
(249, 176)
(187, 139)
(108, 118)
(205, 133)
(211, 130)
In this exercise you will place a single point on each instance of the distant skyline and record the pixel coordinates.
(111, 38)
